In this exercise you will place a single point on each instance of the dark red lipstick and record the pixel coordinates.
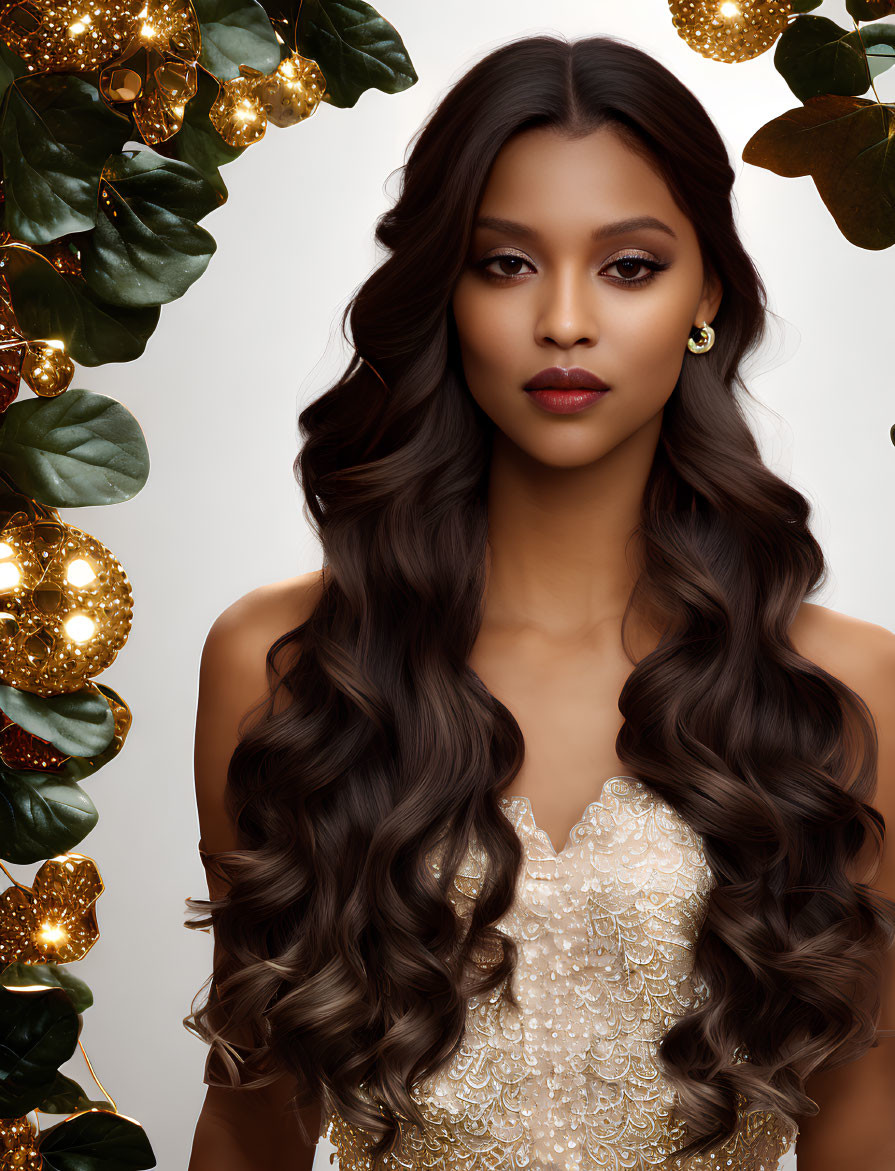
(564, 391)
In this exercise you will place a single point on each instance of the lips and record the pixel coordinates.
(558, 378)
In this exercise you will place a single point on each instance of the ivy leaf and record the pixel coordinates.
(147, 248)
(78, 723)
(870, 9)
(40, 1032)
(804, 5)
(20, 975)
(198, 143)
(50, 304)
(76, 449)
(234, 33)
(77, 768)
(11, 67)
(100, 1140)
(815, 56)
(55, 136)
(41, 815)
(356, 48)
(65, 1096)
(845, 144)
(879, 40)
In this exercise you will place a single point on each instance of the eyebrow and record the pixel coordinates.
(616, 228)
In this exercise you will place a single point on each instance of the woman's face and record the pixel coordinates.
(542, 291)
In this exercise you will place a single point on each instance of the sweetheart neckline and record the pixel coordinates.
(597, 803)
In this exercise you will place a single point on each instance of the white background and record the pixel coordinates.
(217, 393)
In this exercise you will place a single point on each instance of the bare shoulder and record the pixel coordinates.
(862, 655)
(858, 652)
(235, 685)
(269, 610)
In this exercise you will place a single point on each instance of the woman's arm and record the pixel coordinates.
(243, 1129)
(856, 1124)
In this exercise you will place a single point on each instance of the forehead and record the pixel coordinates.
(559, 184)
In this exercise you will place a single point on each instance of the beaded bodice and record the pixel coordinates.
(570, 1081)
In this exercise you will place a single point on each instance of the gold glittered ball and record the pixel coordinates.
(730, 30)
(65, 607)
(19, 1151)
(68, 35)
(55, 921)
(46, 367)
(293, 91)
(237, 113)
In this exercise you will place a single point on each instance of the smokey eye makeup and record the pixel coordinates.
(628, 260)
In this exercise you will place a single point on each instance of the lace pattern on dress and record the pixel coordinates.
(571, 1080)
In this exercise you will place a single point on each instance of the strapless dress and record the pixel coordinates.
(570, 1080)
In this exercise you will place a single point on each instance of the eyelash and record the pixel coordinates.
(655, 266)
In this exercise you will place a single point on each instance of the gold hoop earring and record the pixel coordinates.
(706, 342)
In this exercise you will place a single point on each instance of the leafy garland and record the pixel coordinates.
(114, 124)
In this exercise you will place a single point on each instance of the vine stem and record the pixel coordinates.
(867, 63)
(15, 881)
(95, 1078)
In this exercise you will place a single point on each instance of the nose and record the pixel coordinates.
(567, 311)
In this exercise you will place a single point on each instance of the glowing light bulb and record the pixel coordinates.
(10, 575)
(79, 572)
(51, 933)
(79, 628)
(729, 9)
(5, 550)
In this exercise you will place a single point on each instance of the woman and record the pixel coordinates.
(552, 556)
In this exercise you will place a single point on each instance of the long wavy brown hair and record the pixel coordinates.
(347, 964)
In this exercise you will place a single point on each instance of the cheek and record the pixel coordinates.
(647, 342)
(490, 330)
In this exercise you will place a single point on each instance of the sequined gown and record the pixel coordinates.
(570, 1081)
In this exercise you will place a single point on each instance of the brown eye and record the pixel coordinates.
(502, 258)
(626, 263)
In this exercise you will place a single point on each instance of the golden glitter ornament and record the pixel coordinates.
(68, 36)
(237, 113)
(55, 920)
(292, 92)
(19, 1152)
(156, 71)
(43, 363)
(730, 30)
(47, 368)
(65, 607)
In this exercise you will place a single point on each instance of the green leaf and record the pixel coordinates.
(78, 723)
(77, 768)
(879, 41)
(11, 67)
(815, 56)
(21, 975)
(804, 5)
(65, 1096)
(55, 136)
(49, 304)
(41, 815)
(356, 48)
(845, 144)
(870, 9)
(76, 449)
(39, 1034)
(97, 1141)
(198, 144)
(234, 33)
(147, 248)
